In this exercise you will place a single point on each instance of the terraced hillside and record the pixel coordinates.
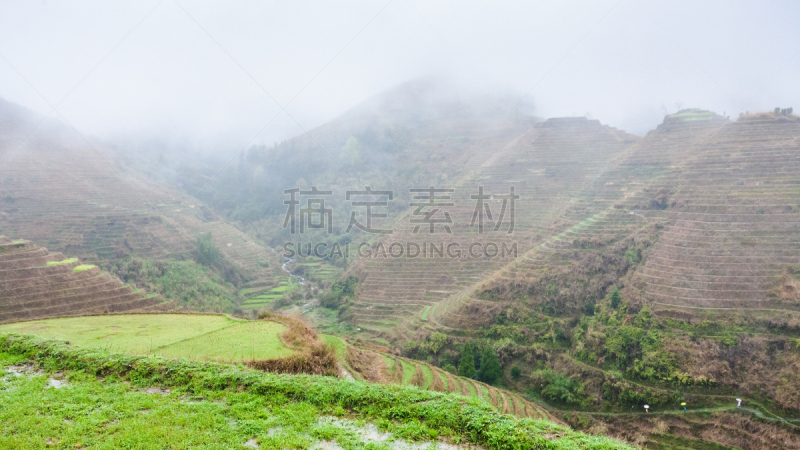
(650, 271)
(379, 367)
(37, 284)
(683, 280)
(549, 168)
(725, 193)
(732, 219)
(58, 189)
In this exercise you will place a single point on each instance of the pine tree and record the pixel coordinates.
(490, 366)
(466, 367)
(615, 298)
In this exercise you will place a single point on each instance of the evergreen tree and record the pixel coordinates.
(615, 298)
(490, 366)
(466, 367)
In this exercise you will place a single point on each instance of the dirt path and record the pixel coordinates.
(690, 411)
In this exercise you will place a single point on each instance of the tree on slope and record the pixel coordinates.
(490, 366)
(207, 250)
(466, 367)
(615, 298)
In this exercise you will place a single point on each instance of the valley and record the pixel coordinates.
(656, 270)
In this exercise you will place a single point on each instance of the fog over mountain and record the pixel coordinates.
(221, 76)
(429, 221)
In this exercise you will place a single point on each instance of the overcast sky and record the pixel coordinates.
(217, 71)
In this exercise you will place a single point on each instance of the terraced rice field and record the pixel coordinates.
(195, 337)
(551, 167)
(402, 371)
(731, 220)
(262, 296)
(321, 272)
(37, 284)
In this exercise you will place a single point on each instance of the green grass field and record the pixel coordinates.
(110, 400)
(197, 337)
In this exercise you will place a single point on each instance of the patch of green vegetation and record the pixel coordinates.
(470, 388)
(691, 115)
(83, 267)
(561, 389)
(425, 312)
(340, 296)
(339, 293)
(633, 344)
(261, 300)
(408, 372)
(490, 371)
(59, 263)
(466, 368)
(227, 405)
(251, 290)
(188, 283)
(337, 343)
(428, 374)
(254, 304)
(208, 251)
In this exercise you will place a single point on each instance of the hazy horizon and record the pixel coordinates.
(199, 73)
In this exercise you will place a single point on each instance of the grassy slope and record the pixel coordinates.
(198, 337)
(231, 404)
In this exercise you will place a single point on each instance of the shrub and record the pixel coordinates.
(562, 389)
(632, 257)
(410, 348)
(315, 357)
(207, 251)
(339, 293)
(516, 373)
(435, 342)
(320, 359)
